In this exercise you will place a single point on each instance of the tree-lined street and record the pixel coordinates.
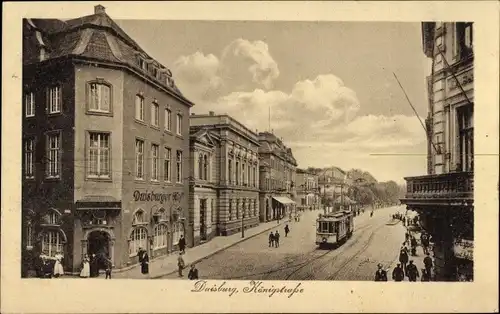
(298, 258)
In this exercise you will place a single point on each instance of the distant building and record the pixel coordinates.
(105, 145)
(444, 197)
(277, 178)
(332, 182)
(233, 151)
(307, 188)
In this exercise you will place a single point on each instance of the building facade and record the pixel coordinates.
(444, 197)
(333, 183)
(307, 190)
(105, 145)
(235, 172)
(204, 179)
(277, 178)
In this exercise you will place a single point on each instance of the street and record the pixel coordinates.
(298, 258)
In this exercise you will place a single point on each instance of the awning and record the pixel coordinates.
(90, 202)
(283, 200)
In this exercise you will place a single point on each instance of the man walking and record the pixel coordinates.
(180, 264)
(412, 272)
(193, 273)
(428, 264)
(398, 274)
(287, 230)
(182, 244)
(380, 274)
(403, 258)
(277, 239)
(424, 240)
(271, 239)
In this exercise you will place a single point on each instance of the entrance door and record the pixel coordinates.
(203, 219)
(98, 244)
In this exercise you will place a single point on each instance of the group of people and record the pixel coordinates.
(93, 263)
(50, 267)
(274, 238)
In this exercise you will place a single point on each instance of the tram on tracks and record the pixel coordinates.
(333, 229)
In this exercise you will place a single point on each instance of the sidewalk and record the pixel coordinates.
(166, 265)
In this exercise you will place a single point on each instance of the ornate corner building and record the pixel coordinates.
(444, 197)
(105, 145)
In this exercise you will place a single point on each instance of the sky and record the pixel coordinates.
(329, 86)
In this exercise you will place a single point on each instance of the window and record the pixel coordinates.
(179, 124)
(29, 153)
(212, 208)
(205, 167)
(29, 104)
(230, 213)
(167, 176)
(52, 242)
(139, 217)
(54, 155)
(200, 166)
(179, 166)
(54, 99)
(466, 138)
(139, 159)
(230, 170)
(237, 209)
(99, 159)
(160, 236)
(237, 173)
(155, 150)
(155, 114)
(138, 239)
(168, 120)
(139, 107)
(249, 175)
(29, 235)
(463, 39)
(99, 97)
(178, 230)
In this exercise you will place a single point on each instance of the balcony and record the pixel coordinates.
(448, 189)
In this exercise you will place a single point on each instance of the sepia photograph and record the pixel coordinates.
(272, 152)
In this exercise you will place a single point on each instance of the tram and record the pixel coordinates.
(333, 229)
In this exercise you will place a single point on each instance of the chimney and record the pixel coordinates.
(99, 9)
(211, 113)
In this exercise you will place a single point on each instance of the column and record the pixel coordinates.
(196, 170)
(112, 251)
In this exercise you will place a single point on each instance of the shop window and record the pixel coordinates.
(52, 242)
(160, 236)
(138, 239)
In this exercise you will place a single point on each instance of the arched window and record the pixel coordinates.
(205, 167)
(160, 236)
(178, 230)
(200, 166)
(162, 214)
(53, 217)
(138, 239)
(52, 242)
(139, 217)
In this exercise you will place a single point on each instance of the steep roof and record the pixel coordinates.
(98, 37)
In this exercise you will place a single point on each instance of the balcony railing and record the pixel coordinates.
(446, 187)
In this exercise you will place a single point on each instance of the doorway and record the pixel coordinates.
(98, 244)
(203, 218)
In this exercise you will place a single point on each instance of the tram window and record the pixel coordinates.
(323, 227)
(330, 227)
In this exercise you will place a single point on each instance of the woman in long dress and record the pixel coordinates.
(58, 268)
(85, 273)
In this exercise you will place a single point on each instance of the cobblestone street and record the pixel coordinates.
(298, 258)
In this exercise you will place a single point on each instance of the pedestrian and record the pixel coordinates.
(403, 258)
(85, 273)
(47, 268)
(425, 275)
(182, 244)
(424, 240)
(144, 260)
(180, 264)
(58, 268)
(398, 273)
(412, 271)
(193, 273)
(271, 239)
(371, 213)
(109, 267)
(287, 230)
(277, 239)
(380, 274)
(428, 264)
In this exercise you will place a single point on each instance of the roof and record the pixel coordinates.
(271, 144)
(96, 37)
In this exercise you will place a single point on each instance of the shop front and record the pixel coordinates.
(464, 257)
(281, 206)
